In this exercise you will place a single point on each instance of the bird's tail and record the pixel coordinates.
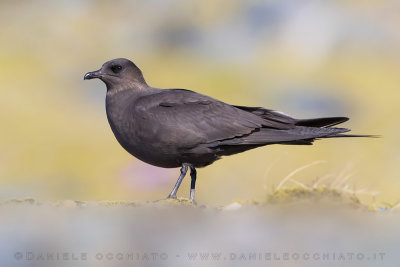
(353, 135)
(322, 122)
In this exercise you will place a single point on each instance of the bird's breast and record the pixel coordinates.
(142, 140)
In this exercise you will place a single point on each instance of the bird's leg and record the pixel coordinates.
(178, 182)
(193, 175)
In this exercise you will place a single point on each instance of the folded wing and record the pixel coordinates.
(201, 120)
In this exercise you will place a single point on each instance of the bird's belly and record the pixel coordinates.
(161, 145)
(150, 150)
(152, 155)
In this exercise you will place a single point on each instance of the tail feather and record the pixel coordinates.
(286, 121)
(300, 135)
(282, 129)
(322, 122)
(353, 135)
(265, 136)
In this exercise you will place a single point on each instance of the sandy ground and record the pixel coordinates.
(309, 231)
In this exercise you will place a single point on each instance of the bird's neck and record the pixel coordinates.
(117, 99)
(131, 86)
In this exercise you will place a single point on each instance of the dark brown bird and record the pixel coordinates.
(172, 128)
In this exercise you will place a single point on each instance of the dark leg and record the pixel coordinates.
(193, 175)
(178, 183)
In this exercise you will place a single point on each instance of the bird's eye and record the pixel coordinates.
(116, 68)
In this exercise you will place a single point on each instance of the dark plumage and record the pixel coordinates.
(180, 128)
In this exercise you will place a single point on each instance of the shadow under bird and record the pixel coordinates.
(173, 128)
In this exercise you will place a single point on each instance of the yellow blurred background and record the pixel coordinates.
(305, 58)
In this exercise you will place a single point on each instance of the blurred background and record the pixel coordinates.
(305, 58)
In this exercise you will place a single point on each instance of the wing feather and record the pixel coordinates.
(194, 118)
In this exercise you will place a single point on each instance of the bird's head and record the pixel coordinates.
(118, 74)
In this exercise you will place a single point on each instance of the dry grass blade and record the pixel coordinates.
(300, 184)
(290, 175)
